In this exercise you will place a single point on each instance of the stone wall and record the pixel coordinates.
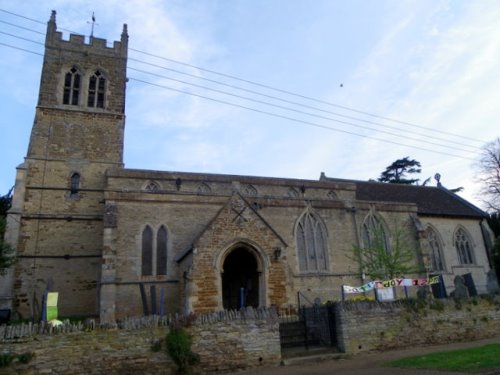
(363, 326)
(225, 342)
(231, 341)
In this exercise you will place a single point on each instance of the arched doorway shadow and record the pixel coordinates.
(240, 279)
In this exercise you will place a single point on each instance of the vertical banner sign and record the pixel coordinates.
(52, 305)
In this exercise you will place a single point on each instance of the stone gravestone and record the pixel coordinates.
(460, 291)
(423, 292)
(491, 282)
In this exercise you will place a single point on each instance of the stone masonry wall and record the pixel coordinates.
(364, 326)
(225, 342)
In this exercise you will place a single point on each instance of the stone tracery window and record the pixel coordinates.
(464, 247)
(332, 195)
(152, 186)
(293, 193)
(250, 190)
(311, 243)
(97, 87)
(72, 86)
(203, 188)
(436, 254)
(373, 232)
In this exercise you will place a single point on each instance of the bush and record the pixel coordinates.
(178, 342)
(6, 359)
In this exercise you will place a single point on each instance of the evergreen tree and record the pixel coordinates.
(397, 172)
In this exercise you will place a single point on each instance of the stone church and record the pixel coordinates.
(117, 242)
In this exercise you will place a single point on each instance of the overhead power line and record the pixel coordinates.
(428, 129)
(286, 101)
(279, 115)
(427, 140)
(302, 96)
(296, 120)
(296, 110)
(20, 49)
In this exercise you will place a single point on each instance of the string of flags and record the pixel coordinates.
(390, 284)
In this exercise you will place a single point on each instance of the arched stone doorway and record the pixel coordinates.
(240, 279)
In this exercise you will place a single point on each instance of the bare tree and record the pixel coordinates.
(489, 175)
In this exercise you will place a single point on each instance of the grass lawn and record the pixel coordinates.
(465, 360)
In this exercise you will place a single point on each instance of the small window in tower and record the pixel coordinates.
(71, 92)
(75, 184)
(97, 87)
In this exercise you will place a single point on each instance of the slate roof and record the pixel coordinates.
(433, 201)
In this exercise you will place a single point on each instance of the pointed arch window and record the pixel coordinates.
(161, 251)
(74, 184)
(147, 251)
(311, 243)
(373, 233)
(464, 247)
(97, 89)
(72, 85)
(436, 254)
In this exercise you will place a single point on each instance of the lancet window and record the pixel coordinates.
(97, 87)
(72, 86)
(311, 243)
(463, 246)
(154, 251)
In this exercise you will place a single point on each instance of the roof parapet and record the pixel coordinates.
(54, 38)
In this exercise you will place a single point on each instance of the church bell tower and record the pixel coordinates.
(56, 220)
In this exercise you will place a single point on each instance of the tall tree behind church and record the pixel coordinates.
(398, 171)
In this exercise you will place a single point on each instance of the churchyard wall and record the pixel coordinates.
(225, 342)
(364, 326)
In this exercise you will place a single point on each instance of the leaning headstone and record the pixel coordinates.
(423, 292)
(460, 291)
(492, 282)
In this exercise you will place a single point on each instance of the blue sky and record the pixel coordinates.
(375, 67)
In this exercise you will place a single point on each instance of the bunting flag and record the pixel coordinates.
(390, 283)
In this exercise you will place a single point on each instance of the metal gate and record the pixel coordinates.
(309, 326)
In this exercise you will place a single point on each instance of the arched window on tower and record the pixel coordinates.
(74, 184)
(72, 83)
(147, 251)
(161, 251)
(97, 87)
(436, 254)
(463, 246)
(311, 243)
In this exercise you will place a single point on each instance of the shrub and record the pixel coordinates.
(6, 359)
(25, 357)
(178, 342)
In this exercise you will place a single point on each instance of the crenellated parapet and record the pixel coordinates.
(55, 39)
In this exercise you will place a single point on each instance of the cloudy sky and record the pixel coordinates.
(283, 88)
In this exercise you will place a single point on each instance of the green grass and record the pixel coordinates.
(465, 360)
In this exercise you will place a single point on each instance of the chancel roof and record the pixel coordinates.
(436, 201)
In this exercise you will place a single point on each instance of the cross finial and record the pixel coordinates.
(93, 24)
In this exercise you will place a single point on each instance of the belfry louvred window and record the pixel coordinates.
(97, 87)
(72, 83)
